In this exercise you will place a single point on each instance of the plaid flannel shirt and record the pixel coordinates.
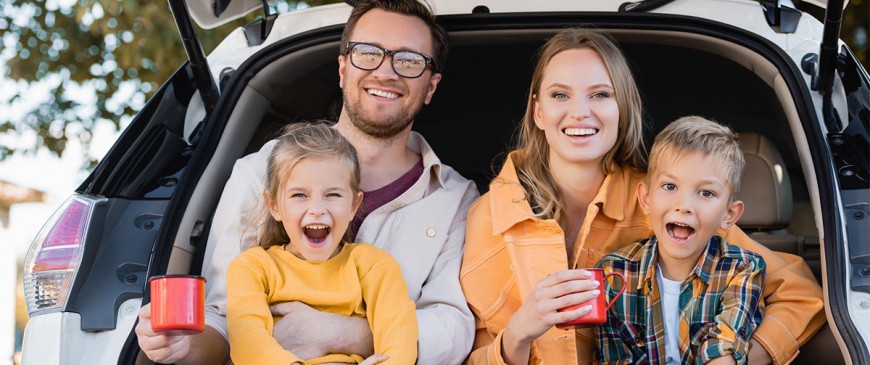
(720, 306)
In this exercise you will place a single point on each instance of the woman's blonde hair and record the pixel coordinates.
(297, 142)
(532, 158)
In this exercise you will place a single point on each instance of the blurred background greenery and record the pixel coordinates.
(124, 50)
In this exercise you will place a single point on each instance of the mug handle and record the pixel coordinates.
(620, 291)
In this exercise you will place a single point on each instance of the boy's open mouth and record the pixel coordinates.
(680, 231)
(316, 233)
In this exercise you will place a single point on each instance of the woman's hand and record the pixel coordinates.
(724, 360)
(539, 311)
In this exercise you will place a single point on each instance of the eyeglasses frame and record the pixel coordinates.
(430, 61)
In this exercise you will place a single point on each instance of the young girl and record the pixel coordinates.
(312, 194)
(566, 197)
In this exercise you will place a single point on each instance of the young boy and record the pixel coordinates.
(690, 297)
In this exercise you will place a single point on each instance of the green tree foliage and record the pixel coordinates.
(856, 25)
(122, 49)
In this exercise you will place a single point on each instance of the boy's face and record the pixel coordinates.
(688, 200)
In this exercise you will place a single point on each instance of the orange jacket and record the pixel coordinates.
(508, 250)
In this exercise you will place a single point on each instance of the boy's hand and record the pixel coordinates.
(158, 347)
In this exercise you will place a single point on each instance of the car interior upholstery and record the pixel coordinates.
(767, 195)
(472, 120)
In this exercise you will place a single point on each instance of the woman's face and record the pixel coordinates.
(576, 108)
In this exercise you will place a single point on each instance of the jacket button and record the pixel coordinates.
(430, 232)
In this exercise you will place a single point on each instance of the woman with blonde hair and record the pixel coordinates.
(565, 197)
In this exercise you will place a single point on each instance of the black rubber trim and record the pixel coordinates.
(104, 180)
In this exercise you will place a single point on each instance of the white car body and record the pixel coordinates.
(56, 337)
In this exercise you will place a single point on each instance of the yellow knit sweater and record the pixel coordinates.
(360, 281)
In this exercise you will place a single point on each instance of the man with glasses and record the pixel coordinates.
(409, 64)
(413, 207)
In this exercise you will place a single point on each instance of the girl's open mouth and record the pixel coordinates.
(316, 233)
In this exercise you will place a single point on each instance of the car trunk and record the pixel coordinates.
(683, 66)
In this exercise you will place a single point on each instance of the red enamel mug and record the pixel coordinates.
(177, 304)
(598, 314)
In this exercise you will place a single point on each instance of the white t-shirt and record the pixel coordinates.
(669, 291)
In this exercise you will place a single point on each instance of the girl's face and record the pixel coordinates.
(315, 203)
(576, 108)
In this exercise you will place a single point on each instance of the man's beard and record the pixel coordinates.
(380, 126)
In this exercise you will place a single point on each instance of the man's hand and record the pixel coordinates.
(158, 347)
(208, 347)
(374, 359)
(309, 333)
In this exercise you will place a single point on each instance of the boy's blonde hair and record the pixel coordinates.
(297, 142)
(696, 134)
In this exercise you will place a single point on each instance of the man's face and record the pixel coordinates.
(379, 102)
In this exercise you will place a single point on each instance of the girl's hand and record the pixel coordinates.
(539, 311)
(374, 359)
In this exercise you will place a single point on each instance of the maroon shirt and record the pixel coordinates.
(376, 198)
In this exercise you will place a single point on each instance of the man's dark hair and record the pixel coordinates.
(413, 8)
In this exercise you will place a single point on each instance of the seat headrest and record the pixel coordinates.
(765, 188)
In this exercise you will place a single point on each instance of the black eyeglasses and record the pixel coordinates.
(369, 57)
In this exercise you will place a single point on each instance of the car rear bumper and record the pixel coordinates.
(57, 338)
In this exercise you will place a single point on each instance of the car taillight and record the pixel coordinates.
(54, 256)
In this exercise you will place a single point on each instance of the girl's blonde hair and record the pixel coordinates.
(297, 142)
(532, 159)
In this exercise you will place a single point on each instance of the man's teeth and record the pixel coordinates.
(580, 131)
(383, 94)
